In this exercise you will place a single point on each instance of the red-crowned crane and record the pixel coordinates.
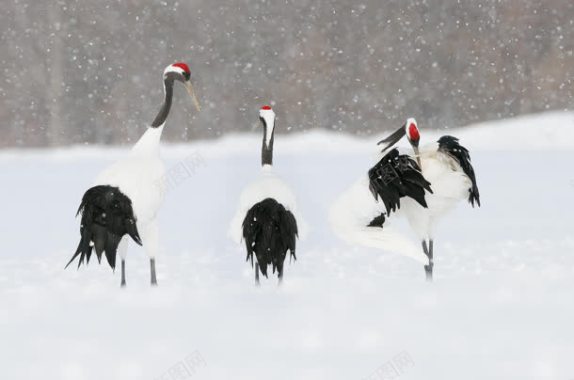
(126, 197)
(423, 187)
(266, 219)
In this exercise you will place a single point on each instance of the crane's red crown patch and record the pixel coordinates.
(182, 66)
(414, 132)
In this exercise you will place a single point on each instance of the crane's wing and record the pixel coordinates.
(449, 145)
(351, 218)
(107, 216)
(396, 176)
(290, 231)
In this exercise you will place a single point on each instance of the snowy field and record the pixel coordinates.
(501, 305)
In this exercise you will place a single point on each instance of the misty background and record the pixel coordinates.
(78, 72)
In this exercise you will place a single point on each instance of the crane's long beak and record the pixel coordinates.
(393, 138)
(189, 89)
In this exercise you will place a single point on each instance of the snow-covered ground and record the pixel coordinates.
(501, 305)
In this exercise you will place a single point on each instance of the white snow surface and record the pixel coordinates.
(501, 305)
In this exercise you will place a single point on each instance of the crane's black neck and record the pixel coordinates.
(166, 106)
(267, 147)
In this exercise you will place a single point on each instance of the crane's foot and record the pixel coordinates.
(152, 270)
(428, 272)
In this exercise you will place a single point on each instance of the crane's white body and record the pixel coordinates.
(268, 185)
(141, 177)
(356, 207)
(449, 184)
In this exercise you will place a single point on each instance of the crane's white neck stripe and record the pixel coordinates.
(269, 117)
(269, 134)
(173, 69)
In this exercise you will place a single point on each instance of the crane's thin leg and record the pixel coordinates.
(431, 257)
(428, 253)
(122, 252)
(280, 273)
(123, 284)
(152, 271)
(256, 273)
(150, 238)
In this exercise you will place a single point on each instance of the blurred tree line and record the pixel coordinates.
(77, 72)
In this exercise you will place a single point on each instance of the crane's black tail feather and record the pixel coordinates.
(269, 231)
(107, 215)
